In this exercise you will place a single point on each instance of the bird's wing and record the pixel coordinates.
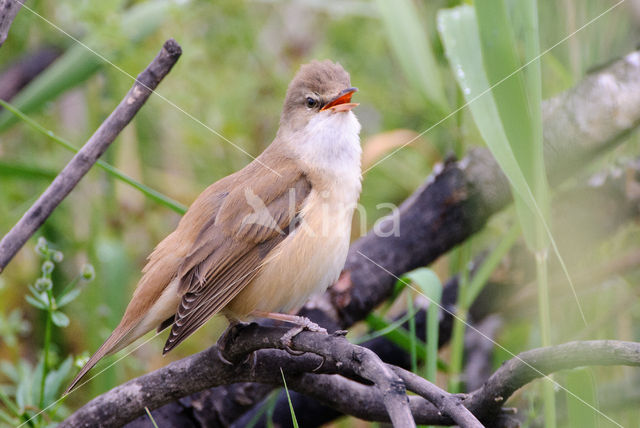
(230, 250)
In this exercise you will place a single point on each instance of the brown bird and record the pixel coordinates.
(261, 241)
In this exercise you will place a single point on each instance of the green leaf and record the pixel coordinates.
(431, 287)
(381, 328)
(293, 415)
(581, 383)
(33, 380)
(481, 276)
(13, 169)
(517, 92)
(68, 297)
(8, 419)
(55, 379)
(504, 114)
(10, 405)
(42, 298)
(35, 302)
(459, 31)
(59, 319)
(411, 45)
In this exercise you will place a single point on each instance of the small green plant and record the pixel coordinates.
(286, 390)
(30, 396)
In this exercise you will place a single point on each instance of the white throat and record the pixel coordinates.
(330, 145)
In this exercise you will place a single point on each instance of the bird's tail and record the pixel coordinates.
(119, 339)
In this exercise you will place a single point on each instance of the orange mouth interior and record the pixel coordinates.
(342, 100)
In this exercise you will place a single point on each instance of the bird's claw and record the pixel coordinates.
(222, 357)
(305, 324)
(287, 340)
(227, 338)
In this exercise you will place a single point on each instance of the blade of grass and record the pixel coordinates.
(411, 45)
(429, 284)
(517, 98)
(13, 408)
(4, 416)
(267, 407)
(482, 274)
(146, 409)
(460, 321)
(12, 169)
(72, 68)
(146, 190)
(460, 36)
(384, 328)
(286, 390)
(513, 104)
(413, 354)
(581, 380)
(544, 313)
(398, 335)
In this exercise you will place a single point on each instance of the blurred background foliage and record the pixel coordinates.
(238, 59)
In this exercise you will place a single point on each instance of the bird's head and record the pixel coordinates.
(319, 88)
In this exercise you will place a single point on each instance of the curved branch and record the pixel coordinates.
(69, 177)
(324, 354)
(536, 363)
(448, 404)
(314, 373)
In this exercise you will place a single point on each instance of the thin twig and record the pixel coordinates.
(448, 404)
(69, 177)
(8, 11)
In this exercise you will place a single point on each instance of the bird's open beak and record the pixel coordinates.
(342, 102)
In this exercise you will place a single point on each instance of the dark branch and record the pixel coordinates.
(447, 404)
(357, 391)
(18, 74)
(69, 177)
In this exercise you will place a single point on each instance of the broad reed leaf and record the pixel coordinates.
(411, 45)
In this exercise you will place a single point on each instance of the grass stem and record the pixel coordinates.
(144, 189)
(545, 333)
(460, 321)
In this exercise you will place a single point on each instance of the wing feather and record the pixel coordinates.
(230, 250)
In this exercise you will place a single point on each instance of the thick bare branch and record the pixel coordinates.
(324, 354)
(314, 373)
(69, 177)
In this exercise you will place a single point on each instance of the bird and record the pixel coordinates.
(259, 242)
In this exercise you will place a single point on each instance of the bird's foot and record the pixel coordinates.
(227, 338)
(302, 323)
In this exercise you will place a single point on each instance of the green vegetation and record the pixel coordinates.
(419, 65)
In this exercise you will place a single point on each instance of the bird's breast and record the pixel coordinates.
(313, 254)
(308, 260)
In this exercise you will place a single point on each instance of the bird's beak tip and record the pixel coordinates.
(342, 102)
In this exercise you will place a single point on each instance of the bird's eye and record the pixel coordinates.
(311, 102)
